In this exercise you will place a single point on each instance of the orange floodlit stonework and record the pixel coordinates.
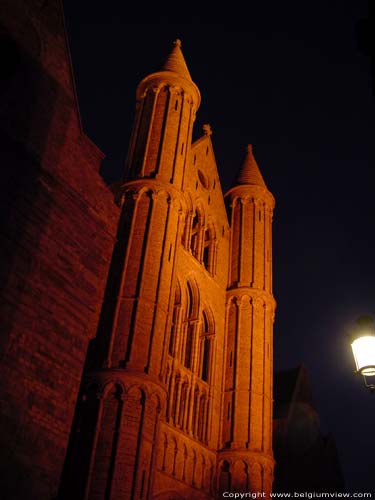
(177, 395)
(140, 334)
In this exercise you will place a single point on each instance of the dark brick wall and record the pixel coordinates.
(57, 229)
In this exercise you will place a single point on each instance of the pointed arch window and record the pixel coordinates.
(175, 397)
(209, 249)
(190, 331)
(206, 358)
(188, 362)
(200, 240)
(201, 417)
(206, 348)
(190, 302)
(182, 404)
(189, 402)
(175, 321)
(195, 235)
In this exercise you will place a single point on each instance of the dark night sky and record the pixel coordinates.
(288, 78)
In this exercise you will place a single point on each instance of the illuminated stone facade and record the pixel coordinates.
(178, 389)
(175, 400)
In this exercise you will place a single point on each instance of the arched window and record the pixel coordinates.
(224, 476)
(205, 323)
(175, 320)
(194, 238)
(175, 397)
(206, 359)
(205, 349)
(201, 417)
(188, 362)
(195, 411)
(209, 249)
(190, 330)
(182, 406)
(190, 302)
(189, 402)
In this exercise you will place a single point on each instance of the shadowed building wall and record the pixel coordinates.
(58, 227)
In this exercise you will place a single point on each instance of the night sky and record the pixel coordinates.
(290, 79)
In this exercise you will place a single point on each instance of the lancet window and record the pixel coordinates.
(196, 227)
(200, 239)
(208, 258)
(175, 320)
(190, 330)
(187, 377)
(205, 349)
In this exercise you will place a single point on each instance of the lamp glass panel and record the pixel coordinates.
(364, 354)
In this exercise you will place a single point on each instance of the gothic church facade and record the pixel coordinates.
(169, 395)
(183, 355)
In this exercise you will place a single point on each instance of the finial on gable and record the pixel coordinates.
(207, 130)
(177, 43)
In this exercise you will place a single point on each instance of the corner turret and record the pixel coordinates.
(247, 402)
(251, 207)
(167, 101)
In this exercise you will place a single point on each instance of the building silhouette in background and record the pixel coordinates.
(306, 459)
(136, 338)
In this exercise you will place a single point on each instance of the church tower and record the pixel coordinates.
(246, 462)
(112, 449)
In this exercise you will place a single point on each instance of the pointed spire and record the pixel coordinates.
(176, 62)
(249, 172)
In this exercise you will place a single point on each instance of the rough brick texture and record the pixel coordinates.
(57, 233)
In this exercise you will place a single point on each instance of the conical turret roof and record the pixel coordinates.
(173, 71)
(176, 62)
(249, 172)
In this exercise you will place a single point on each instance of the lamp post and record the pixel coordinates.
(363, 346)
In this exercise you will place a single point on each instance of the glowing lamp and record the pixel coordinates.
(363, 346)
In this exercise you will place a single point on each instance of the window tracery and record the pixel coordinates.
(190, 360)
(206, 348)
(175, 320)
(200, 239)
(208, 259)
(195, 235)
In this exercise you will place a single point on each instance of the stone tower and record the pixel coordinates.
(176, 397)
(123, 395)
(246, 462)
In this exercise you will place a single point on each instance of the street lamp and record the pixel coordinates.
(363, 346)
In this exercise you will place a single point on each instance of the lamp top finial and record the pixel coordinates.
(365, 321)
